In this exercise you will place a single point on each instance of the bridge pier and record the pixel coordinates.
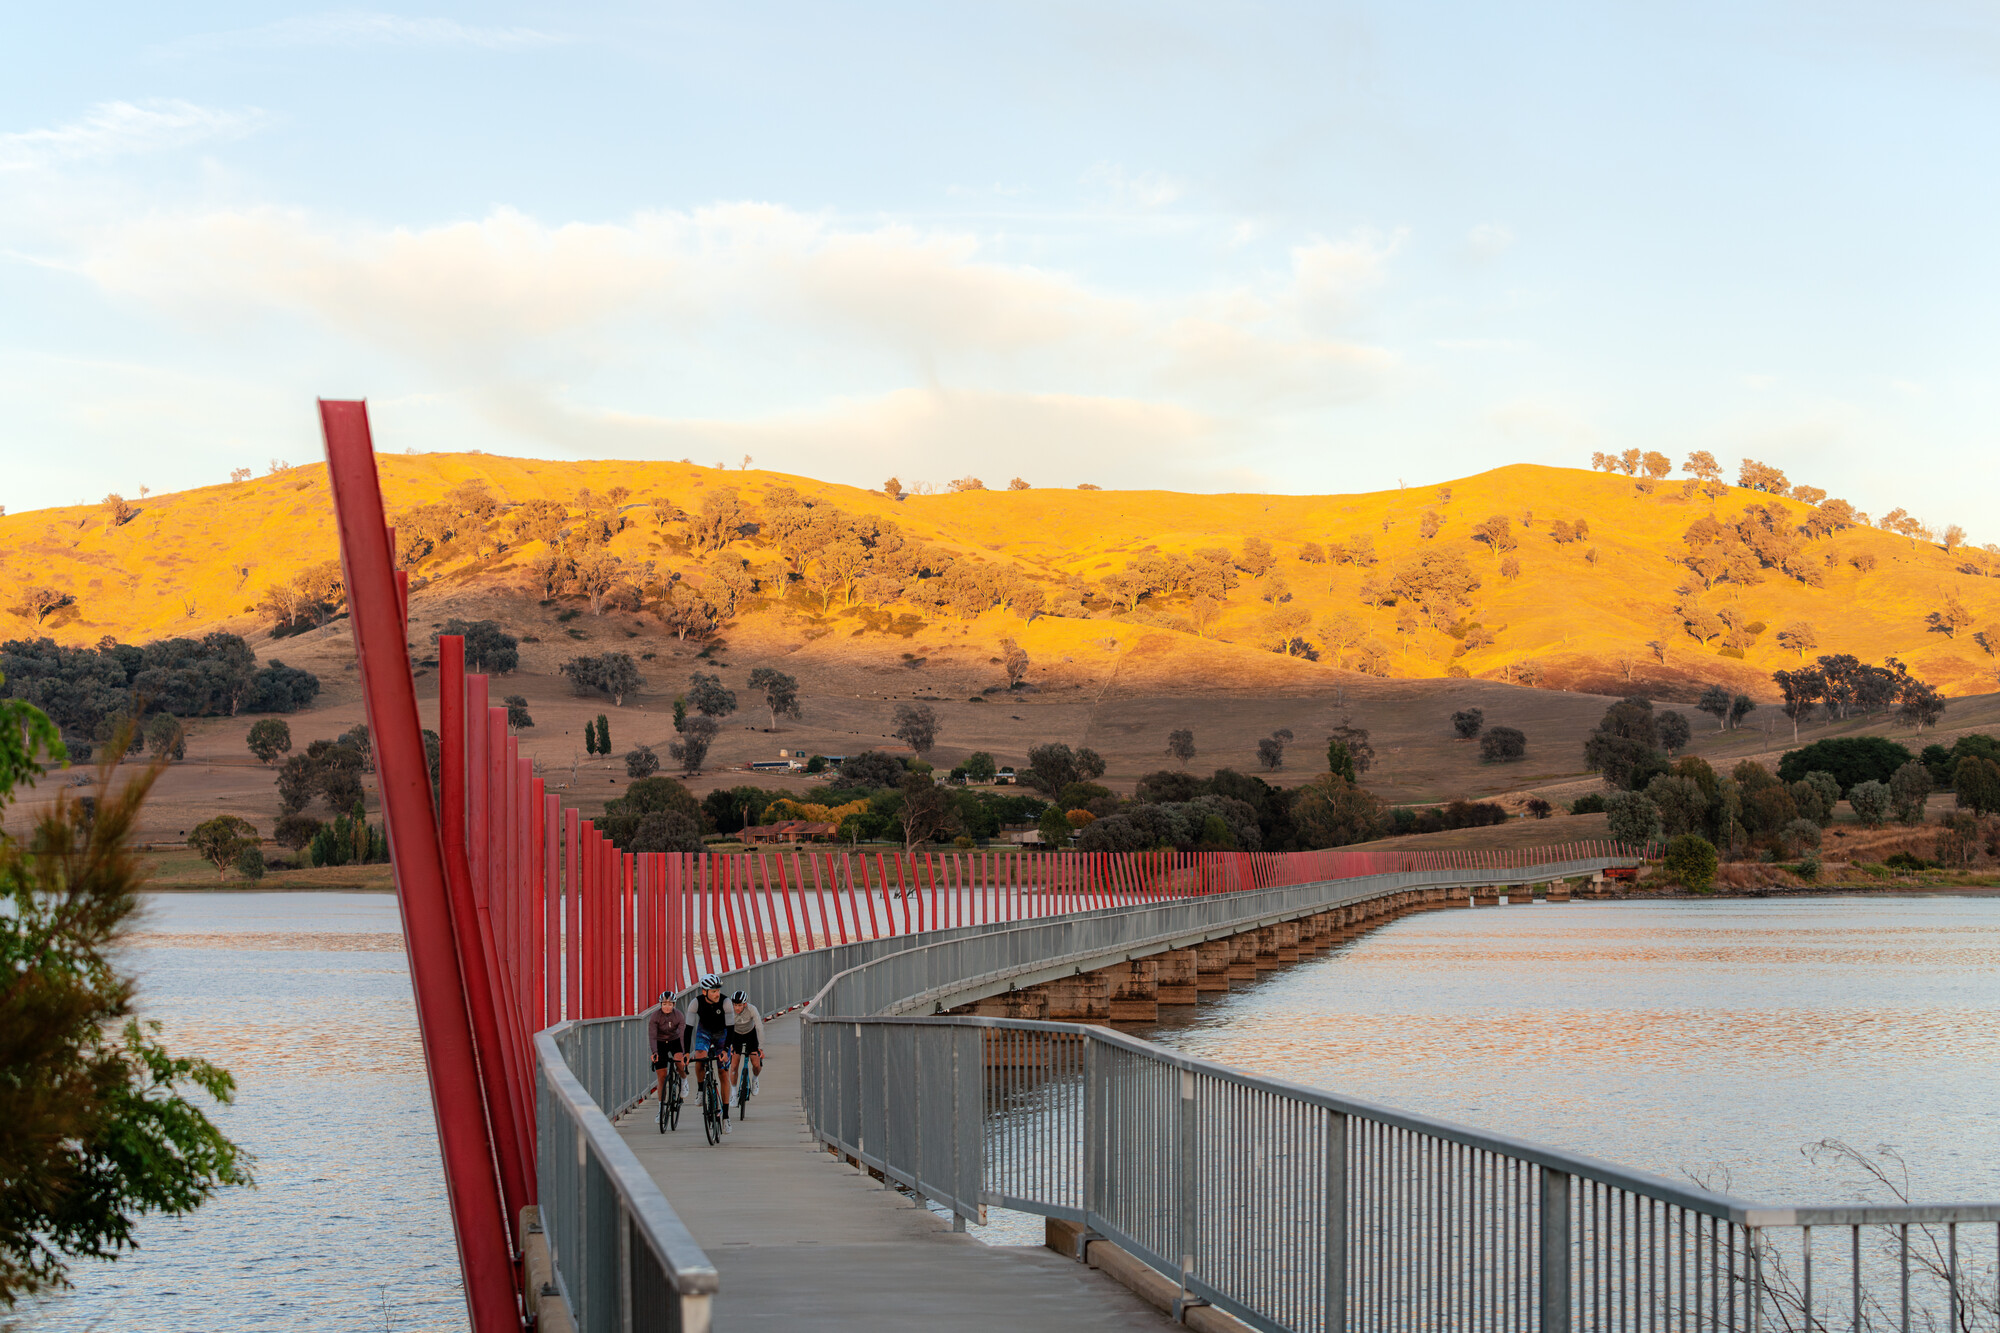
(1288, 941)
(1559, 891)
(1242, 957)
(1084, 998)
(1134, 990)
(1264, 948)
(1213, 960)
(1175, 977)
(1031, 1002)
(1486, 895)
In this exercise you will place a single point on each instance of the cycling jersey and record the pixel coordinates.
(711, 1017)
(666, 1028)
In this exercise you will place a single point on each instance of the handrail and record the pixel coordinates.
(1291, 1207)
(621, 1256)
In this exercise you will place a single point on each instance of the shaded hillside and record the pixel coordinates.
(1126, 592)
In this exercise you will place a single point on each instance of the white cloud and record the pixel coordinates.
(480, 295)
(356, 28)
(907, 430)
(113, 128)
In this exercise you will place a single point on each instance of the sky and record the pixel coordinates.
(1315, 248)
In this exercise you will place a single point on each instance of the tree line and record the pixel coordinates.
(89, 692)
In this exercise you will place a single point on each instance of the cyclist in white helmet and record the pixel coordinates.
(746, 1039)
(709, 1019)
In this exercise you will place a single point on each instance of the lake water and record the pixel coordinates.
(1693, 1039)
(305, 997)
(1711, 1039)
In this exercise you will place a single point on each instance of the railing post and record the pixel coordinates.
(1334, 1201)
(1188, 1176)
(1555, 1286)
(1092, 1157)
(958, 1200)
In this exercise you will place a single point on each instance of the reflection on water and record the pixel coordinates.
(306, 999)
(1706, 1038)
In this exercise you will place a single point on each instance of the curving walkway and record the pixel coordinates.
(802, 1240)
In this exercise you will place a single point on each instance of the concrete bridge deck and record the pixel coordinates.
(802, 1240)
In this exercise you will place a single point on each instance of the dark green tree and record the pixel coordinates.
(917, 726)
(1333, 811)
(1849, 759)
(707, 696)
(1625, 748)
(269, 737)
(1340, 762)
(691, 746)
(1691, 860)
(1716, 701)
(220, 840)
(1054, 766)
(487, 647)
(1976, 783)
(97, 1123)
(780, 691)
(1908, 790)
(166, 738)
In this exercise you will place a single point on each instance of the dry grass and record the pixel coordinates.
(195, 560)
(1116, 686)
(180, 869)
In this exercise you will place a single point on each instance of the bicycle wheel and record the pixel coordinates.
(663, 1115)
(673, 1108)
(711, 1108)
(742, 1091)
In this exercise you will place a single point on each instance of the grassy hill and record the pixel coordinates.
(1577, 618)
(1577, 615)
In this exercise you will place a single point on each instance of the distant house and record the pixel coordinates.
(789, 830)
(776, 766)
(1021, 835)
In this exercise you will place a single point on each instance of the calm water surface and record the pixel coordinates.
(305, 997)
(1705, 1039)
(1711, 1039)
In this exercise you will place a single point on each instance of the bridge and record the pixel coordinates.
(946, 1041)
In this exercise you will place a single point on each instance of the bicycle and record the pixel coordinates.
(743, 1090)
(670, 1105)
(711, 1101)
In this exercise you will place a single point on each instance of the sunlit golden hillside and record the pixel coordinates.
(1067, 574)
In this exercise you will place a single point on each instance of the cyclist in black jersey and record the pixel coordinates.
(711, 1019)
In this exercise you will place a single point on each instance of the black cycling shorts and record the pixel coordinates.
(746, 1042)
(664, 1053)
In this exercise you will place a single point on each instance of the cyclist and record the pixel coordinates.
(746, 1038)
(711, 1015)
(667, 1035)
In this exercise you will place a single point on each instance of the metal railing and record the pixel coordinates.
(622, 1258)
(1296, 1209)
